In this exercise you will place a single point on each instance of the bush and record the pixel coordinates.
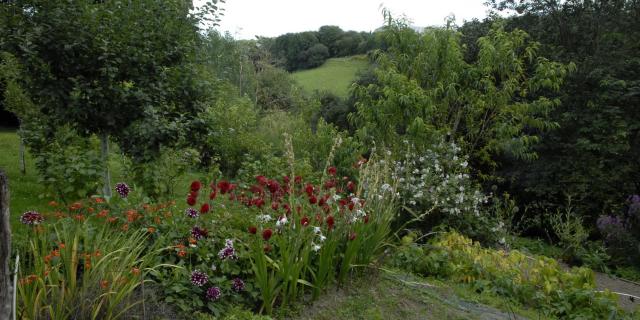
(538, 282)
(69, 166)
(436, 188)
(622, 233)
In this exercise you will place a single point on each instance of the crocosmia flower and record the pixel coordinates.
(31, 218)
(213, 293)
(122, 189)
(199, 278)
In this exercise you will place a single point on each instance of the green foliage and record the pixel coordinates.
(533, 281)
(593, 156)
(75, 268)
(425, 88)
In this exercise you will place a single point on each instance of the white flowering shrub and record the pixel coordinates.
(436, 188)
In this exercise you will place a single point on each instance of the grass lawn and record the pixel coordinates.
(335, 75)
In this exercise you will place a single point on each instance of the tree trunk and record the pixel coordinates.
(104, 141)
(6, 296)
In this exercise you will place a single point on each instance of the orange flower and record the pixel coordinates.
(151, 229)
(192, 240)
(97, 254)
(182, 253)
(167, 214)
(156, 220)
(112, 219)
(60, 215)
(146, 206)
(55, 253)
(47, 259)
(76, 206)
(61, 245)
(104, 284)
(79, 217)
(135, 271)
(103, 213)
(132, 215)
(53, 203)
(90, 210)
(125, 227)
(98, 200)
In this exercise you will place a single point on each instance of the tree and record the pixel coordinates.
(107, 67)
(594, 156)
(329, 36)
(425, 88)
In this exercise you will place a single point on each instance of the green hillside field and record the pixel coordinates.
(335, 75)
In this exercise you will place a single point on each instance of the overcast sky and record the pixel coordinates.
(245, 19)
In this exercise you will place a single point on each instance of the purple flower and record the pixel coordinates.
(228, 252)
(237, 285)
(199, 233)
(213, 293)
(122, 189)
(199, 278)
(31, 218)
(634, 205)
(610, 225)
(192, 213)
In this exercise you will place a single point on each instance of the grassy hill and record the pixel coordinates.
(335, 75)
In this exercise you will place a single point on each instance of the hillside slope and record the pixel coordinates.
(335, 75)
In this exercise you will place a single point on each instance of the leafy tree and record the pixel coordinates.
(108, 67)
(425, 88)
(329, 36)
(594, 156)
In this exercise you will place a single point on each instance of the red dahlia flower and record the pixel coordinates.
(266, 234)
(304, 221)
(332, 171)
(253, 230)
(204, 208)
(195, 186)
(330, 222)
(191, 200)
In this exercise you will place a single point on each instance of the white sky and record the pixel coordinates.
(245, 19)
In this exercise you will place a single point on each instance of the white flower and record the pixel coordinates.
(263, 218)
(213, 267)
(385, 187)
(281, 222)
(316, 247)
(336, 197)
(322, 238)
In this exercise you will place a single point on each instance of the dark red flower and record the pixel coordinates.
(195, 186)
(259, 202)
(213, 194)
(351, 206)
(275, 205)
(332, 171)
(304, 221)
(266, 248)
(313, 200)
(309, 189)
(319, 218)
(224, 186)
(343, 202)
(256, 189)
(329, 184)
(286, 179)
(191, 200)
(273, 186)
(351, 186)
(287, 208)
(253, 230)
(366, 219)
(262, 180)
(330, 222)
(352, 236)
(298, 179)
(204, 208)
(266, 234)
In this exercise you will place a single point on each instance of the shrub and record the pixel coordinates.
(533, 281)
(622, 233)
